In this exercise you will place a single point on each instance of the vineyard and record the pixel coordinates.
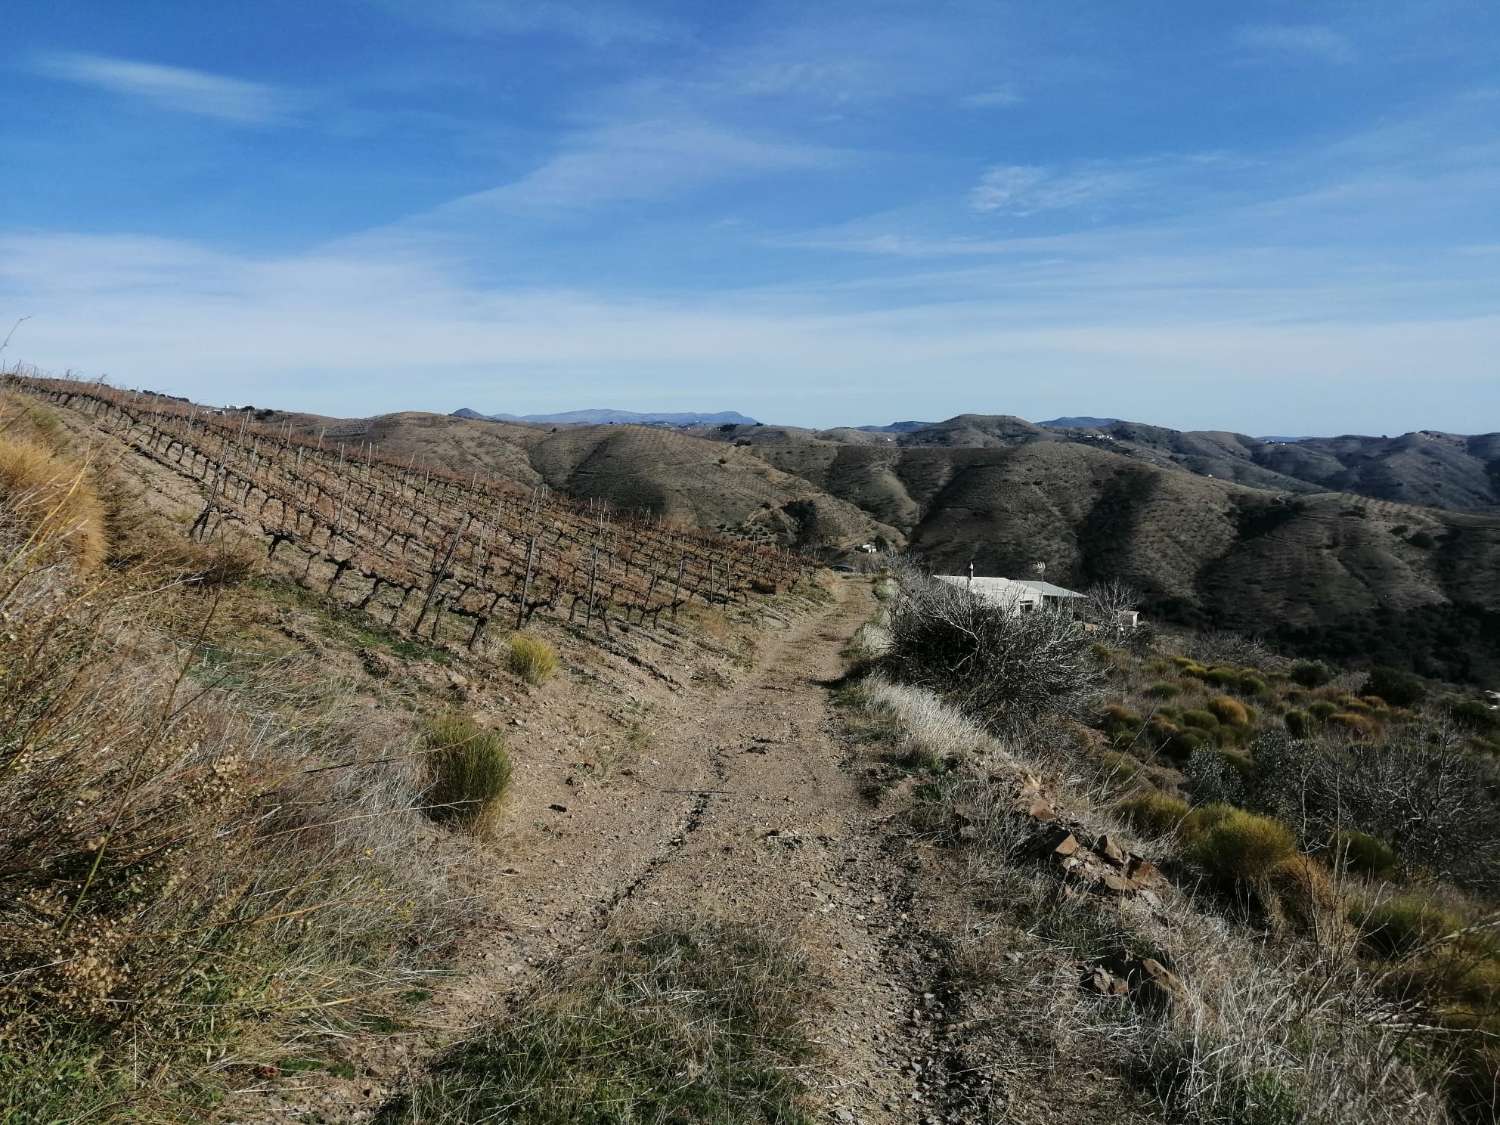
(424, 551)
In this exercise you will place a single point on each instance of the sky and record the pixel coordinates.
(1274, 217)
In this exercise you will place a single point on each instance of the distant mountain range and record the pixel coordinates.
(615, 418)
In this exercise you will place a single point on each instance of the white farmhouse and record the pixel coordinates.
(1017, 595)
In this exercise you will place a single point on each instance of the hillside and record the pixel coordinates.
(631, 468)
(1331, 572)
(1314, 566)
(617, 417)
(1425, 467)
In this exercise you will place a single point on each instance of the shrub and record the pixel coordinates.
(469, 768)
(1235, 846)
(1237, 760)
(1321, 709)
(1300, 889)
(1121, 768)
(1311, 673)
(1005, 669)
(1251, 684)
(1222, 677)
(1230, 712)
(1183, 744)
(1400, 926)
(1163, 689)
(1474, 715)
(1154, 813)
(1360, 726)
(1363, 854)
(1202, 720)
(1205, 817)
(1298, 723)
(531, 658)
(1398, 688)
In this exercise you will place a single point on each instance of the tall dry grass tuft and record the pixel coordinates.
(470, 770)
(53, 501)
(188, 873)
(531, 658)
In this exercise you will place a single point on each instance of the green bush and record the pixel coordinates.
(1121, 721)
(1399, 926)
(1298, 724)
(1163, 689)
(1183, 744)
(1474, 715)
(1200, 719)
(1222, 677)
(531, 658)
(1154, 813)
(1235, 846)
(1398, 688)
(1322, 709)
(1250, 684)
(1311, 673)
(1364, 854)
(469, 769)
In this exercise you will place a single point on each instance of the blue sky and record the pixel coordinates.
(1270, 217)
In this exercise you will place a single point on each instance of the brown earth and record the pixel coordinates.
(741, 807)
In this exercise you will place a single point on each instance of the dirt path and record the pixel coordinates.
(743, 808)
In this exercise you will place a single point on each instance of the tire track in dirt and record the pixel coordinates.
(744, 810)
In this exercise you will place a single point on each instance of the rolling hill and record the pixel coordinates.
(1203, 523)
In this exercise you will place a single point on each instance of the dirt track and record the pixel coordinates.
(743, 807)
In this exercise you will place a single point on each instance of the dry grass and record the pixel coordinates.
(931, 730)
(531, 658)
(702, 1023)
(470, 771)
(198, 861)
(53, 501)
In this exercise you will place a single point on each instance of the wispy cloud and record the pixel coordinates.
(645, 160)
(1307, 40)
(173, 87)
(594, 24)
(336, 333)
(998, 97)
(1026, 189)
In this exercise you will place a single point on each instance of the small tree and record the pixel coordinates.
(1109, 604)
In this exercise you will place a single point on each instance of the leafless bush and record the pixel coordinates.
(1221, 646)
(1420, 790)
(1004, 668)
(1109, 604)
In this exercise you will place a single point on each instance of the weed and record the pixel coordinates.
(531, 658)
(469, 767)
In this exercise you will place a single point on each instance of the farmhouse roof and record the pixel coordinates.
(1047, 589)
